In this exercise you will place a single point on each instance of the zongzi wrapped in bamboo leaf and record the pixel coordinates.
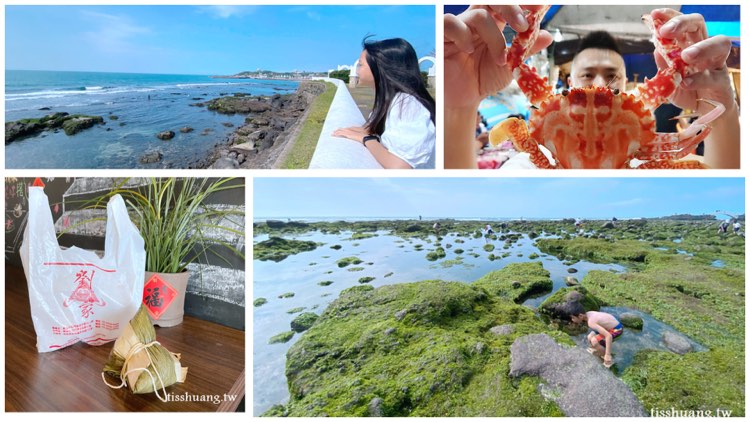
(140, 362)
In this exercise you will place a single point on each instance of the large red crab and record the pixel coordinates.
(596, 127)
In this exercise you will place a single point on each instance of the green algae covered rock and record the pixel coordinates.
(517, 281)
(596, 250)
(351, 260)
(560, 304)
(278, 249)
(281, 337)
(414, 349)
(304, 321)
(436, 254)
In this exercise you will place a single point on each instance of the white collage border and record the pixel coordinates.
(250, 175)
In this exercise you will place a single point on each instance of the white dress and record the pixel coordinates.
(409, 133)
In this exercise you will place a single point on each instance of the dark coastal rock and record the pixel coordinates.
(572, 270)
(260, 121)
(71, 124)
(608, 225)
(226, 163)
(207, 131)
(275, 224)
(227, 124)
(575, 380)
(19, 129)
(44, 109)
(676, 343)
(77, 123)
(56, 120)
(631, 320)
(151, 157)
(241, 105)
(561, 304)
(304, 321)
(266, 143)
(166, 135)
(186, 129)
(113, 117)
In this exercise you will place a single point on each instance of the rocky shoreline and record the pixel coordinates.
(268, 128)
(271, 121)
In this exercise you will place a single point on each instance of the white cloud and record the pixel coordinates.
(226, 12)
(112, 33)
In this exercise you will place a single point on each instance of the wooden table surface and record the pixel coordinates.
(70, 379)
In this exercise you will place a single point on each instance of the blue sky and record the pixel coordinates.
(496, 197)
(204, 40)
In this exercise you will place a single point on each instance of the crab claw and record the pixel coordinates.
(673, 146)
(704, 120)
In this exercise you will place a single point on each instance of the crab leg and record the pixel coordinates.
(668, 164)
(531, 83)
(678, 145)
(656, 91)
(518, 132)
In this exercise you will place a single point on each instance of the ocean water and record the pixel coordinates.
(144, 104)
(381, 255)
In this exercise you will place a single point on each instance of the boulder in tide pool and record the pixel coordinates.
(676, 343)
(574, 379)
(561, 304)
(631, 320)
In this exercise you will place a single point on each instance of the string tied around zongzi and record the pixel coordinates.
(126, 370)
(136, 353)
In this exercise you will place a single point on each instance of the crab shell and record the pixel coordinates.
(593, 127)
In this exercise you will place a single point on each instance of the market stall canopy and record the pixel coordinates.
(624, 22)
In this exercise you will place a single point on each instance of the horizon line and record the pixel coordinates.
(156, 73)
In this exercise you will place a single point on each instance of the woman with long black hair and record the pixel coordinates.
(400, 132)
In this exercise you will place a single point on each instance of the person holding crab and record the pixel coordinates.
(475, 66)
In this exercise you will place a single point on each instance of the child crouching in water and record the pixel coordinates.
(606, 328)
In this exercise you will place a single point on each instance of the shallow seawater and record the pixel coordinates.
(632, 341)
(718, 264)
(134, 109)
(383, 254)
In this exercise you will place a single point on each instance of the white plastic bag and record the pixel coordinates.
(75, 295)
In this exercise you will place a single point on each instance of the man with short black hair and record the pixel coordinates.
(598, 62)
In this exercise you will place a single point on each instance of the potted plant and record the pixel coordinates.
(173, 218)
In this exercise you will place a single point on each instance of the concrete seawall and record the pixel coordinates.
(340, 153)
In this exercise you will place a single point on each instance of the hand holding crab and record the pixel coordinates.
(708, 77)
(597, 127)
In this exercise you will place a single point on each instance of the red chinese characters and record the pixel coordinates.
(84, 293)
(158, 294)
